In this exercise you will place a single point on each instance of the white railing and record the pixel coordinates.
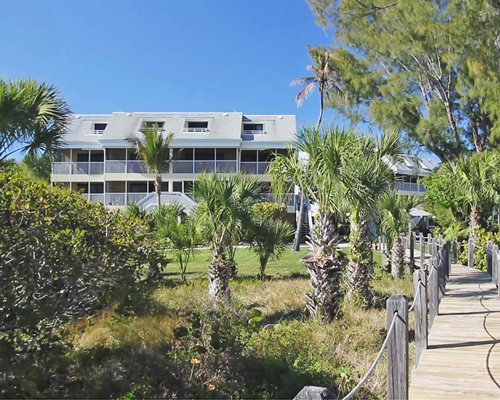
(410, 187)
(200, 166)
(135, 197)
(96, 197)
(288, 199)
(253, 132)
(225, 166)
(150, 202)
(195, 130)
(136, 167)
(95, 132)
(116, 167)
(254, 167)
(78, 168)
(115, 199)
(182, 166)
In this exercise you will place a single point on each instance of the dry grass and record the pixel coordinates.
(337, 354)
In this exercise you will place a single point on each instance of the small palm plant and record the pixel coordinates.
(154, 149)
(270, 240)
(179, 234)
(395, 220)
(224, 211)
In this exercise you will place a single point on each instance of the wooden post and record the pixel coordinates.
(489, 259)
(397, 348)
(421, 322)
(454, 258)
(422, 251)
(495, 262)
(470, 253)
(448, 261)
(433, 287)
(441, 264)
(412, 251)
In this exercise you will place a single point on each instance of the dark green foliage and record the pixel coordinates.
(61, 258)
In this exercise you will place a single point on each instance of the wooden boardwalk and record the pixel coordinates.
(463, 358)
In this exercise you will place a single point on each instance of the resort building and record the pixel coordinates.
(409, 170)
(98, 158)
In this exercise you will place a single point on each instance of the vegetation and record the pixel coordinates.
(225, 208)
(396, 220)
(33, 117)
(154, 149)
(61, 258)
(428, 69)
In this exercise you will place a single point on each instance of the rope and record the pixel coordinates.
(415, 297)
(375, 361)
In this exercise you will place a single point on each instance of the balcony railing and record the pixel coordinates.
(198, 167)
(253, 132)
(254, 167)
(195, 130)
(288, 199)
(135, 197)
(410, 187)
(95, 132)
(78, 168)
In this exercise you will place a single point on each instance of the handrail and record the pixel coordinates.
(375, 361)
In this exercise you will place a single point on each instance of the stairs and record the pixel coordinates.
(149, 203)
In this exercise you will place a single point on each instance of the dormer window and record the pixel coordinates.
(153, 124)
(196, 126)
(98, 128)
(253, 129)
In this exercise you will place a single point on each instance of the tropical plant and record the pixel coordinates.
(474, 183)
(325, 77)
(154, 149)
(33, 117)
(271, 238)
(317, 177)
(224, 211)
(179, 232)
(395, 220)
(38, 166)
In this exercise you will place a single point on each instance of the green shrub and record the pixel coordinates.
(61, 257)
(482, 238)
(269, 210)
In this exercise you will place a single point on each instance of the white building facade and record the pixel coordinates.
(98, 160)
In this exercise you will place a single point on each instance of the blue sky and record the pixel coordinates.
(164, 55)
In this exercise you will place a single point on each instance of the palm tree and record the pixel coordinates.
(395, 210)
(318, 179)
(179, 234)
(325, 77)
(366, 177)
(33, 117)
(475, 179)
(224, 210)
(154, 149)
(270, 241)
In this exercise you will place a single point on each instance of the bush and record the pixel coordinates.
(482, 238)
(61, 257)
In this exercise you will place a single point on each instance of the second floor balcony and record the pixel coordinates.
(411, 187)
(176, 167)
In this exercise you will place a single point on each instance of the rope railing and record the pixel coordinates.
(375, 362)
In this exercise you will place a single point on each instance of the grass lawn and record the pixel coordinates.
(248, 264)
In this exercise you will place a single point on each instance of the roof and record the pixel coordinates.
(412, 165)
(224, 129)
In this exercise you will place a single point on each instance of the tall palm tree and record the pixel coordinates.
(475, 179)
(154, 149)
(366, 178)
(318, 179)
(225, 211)
(395, 220)
(325, 77)
(33, 117)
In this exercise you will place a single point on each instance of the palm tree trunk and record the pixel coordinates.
(326, 266)
(475, 221)
(218, 276)
(321, 108)
(158, 188)
(397, 258)
(300, 219)
(360, 268)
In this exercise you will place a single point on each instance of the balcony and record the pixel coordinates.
(198, 167)
(409, 187)
(95, 132)
(78, 168)
(253, 132)
(195, 130)
(254, 167)
(288, 199)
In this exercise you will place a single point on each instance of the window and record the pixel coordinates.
(153, 124)
(99, 127)
(177, 186)
(97, 187)
(252, 129)
(196, 126)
